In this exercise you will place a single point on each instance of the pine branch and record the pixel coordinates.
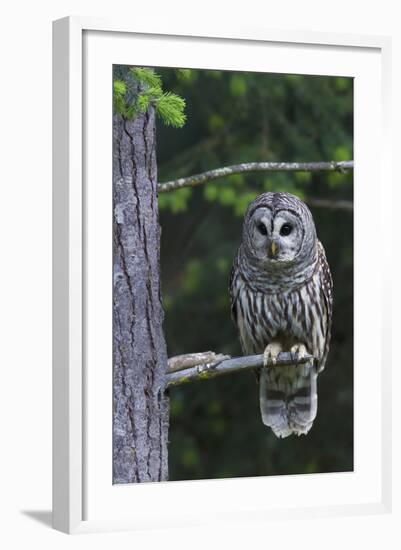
(229, 366)
(142, 89)
(204, 177)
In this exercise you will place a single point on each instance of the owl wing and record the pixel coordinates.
(235, 286)
(326, 290)
(233, 290)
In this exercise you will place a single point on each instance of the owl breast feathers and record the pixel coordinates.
(281, 300)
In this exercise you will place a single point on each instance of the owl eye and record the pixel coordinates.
(285, 229)
(262, 228)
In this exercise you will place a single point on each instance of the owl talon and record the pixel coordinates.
(271, 353)
(299, 350)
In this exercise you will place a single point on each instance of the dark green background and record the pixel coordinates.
(216, 429)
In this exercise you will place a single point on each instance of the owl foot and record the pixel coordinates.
(299, 350)
(271, 353)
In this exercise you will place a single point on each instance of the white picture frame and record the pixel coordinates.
(84, 498)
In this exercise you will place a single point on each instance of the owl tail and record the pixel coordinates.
(288, 398)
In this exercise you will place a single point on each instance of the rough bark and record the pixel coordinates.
(140, 415)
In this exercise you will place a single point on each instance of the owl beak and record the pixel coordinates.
(273, 249)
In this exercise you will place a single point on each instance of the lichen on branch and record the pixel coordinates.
(207, 371)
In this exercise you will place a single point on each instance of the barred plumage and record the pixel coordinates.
(281, 299)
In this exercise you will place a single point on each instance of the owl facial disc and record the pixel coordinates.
(275, 235)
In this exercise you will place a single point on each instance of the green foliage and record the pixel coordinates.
(238, 85)
(303, 177)
(175, 202)
(217, 75)
(169, 106)
(176, 408)
(294, 78)
(143, 102)
(227, 196)
(222, 265)
(184, 74)
(283, 182)
(190, 457)
(336, 179)
(342, 84)
(147, 77)
(191, 279)
(120, 104)
(243, 202)
(215, 122)
(236, 179)
(119, 88)
(211, 191)
(341, 152)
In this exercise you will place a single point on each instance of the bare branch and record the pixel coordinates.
(210, 175)
(181, 362)
(228, 366)
(331, 204)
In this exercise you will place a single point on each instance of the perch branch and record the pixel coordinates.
(228, 366)
(210, 175)
(181, 362)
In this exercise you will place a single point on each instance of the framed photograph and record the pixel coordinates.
(215, 282)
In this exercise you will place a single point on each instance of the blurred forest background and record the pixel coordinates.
(215, 426)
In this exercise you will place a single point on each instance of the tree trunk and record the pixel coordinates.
(141, 409)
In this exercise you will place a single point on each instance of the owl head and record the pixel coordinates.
(279, 230)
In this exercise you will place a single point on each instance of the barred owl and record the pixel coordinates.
(281, 300)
